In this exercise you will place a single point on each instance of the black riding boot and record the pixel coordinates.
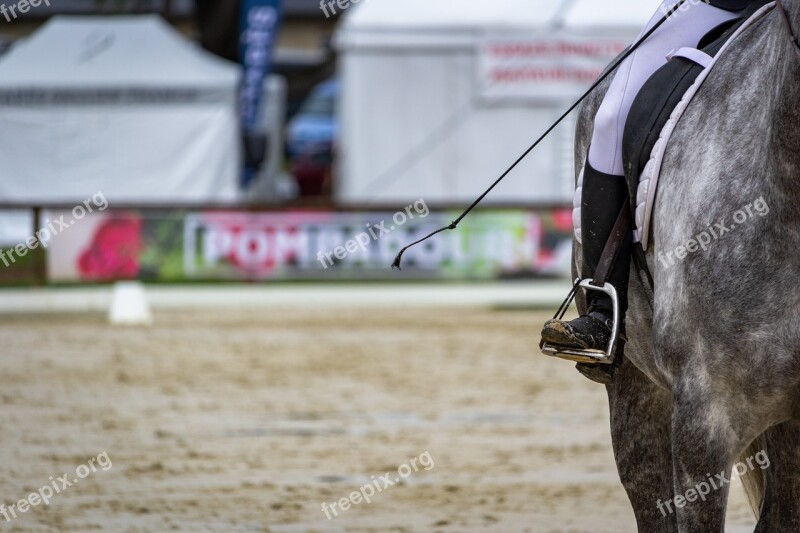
(602, 200)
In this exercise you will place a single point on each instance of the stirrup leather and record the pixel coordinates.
(586, 355)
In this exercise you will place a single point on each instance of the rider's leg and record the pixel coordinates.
(604, 188)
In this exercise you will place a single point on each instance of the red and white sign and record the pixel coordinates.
(542, 69)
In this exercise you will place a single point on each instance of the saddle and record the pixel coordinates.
(659, 106)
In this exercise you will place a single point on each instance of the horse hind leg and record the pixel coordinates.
(778, 469)
(705, 446)
(640, 432)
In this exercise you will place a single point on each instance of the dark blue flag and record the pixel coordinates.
(259, 23)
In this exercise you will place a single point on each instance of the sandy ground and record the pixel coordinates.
(249, 421)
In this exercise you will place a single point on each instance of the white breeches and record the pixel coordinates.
(684, 28)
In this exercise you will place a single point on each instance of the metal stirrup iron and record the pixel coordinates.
(598, 284)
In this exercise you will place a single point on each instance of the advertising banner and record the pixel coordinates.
(162, 246)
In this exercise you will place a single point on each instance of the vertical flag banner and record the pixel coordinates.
(259, 24)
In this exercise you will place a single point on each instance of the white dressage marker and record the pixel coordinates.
(129, 305)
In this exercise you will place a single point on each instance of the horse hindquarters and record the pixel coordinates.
(780, 510)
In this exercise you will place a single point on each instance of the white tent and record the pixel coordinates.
(121, 105)
(422, 114)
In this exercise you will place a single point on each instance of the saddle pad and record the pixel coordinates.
(648, 181)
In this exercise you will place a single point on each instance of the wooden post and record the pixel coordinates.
(40, 265)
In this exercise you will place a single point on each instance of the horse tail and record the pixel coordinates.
(753, 481)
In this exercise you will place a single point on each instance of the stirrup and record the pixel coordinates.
(586, 355)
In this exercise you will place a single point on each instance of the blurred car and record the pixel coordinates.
(5, 44)
(310, 139)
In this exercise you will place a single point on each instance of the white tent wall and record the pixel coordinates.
(132, 154)
(413, 122)
(118, 105)
(432, 140)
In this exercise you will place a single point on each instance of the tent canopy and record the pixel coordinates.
(451, 15)
(613, 16)
(99, 52)
(418, 18)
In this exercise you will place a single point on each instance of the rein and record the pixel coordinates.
(788, 24)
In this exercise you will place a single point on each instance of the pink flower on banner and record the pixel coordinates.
(114, 249)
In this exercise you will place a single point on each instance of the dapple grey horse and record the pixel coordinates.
(711, 374)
